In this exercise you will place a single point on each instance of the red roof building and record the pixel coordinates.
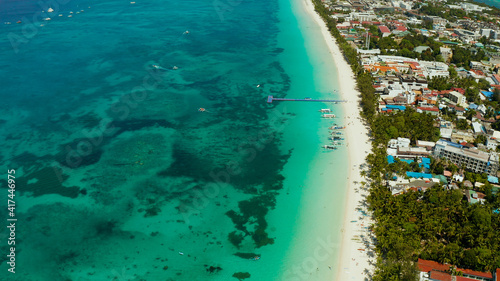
(441, 276)
(460, 90)
(438, 271)
(384, 30)
(426, 266)
(429, 109)
(496, 78)
(401, 28)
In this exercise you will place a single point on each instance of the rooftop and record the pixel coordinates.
(473, 153)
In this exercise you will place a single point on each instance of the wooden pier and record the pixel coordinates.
(270, 99)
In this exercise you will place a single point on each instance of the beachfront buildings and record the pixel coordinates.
(472, 159)
(431, 271)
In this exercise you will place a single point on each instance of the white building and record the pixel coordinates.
(458, 98)
(446, 53)
(492, 143)
(471, 7)
(446, 132)
(477, 127)
(482, 108)
(473, 159)
(368, 16)
(485, 32)
(399, 142)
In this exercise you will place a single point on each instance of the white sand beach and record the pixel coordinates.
(354, 260)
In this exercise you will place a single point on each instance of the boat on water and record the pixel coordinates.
(155, 66)
(331, 147)
(325, 110)
(256, 258)
(337, 127)
(337, 133)
(328, 116)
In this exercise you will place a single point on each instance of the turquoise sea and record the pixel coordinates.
(144, 148)
(494, 3)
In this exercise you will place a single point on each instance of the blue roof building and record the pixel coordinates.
(492, 179)
(487, 94)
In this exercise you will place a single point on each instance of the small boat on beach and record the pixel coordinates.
(325, 110)
(328, 116)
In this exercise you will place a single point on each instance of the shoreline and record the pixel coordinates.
(353, 263)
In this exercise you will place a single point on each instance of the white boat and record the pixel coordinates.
(155, 66)
(336, 127)
(329, 147)
(325, 110)
(50, 10)
(328, 116)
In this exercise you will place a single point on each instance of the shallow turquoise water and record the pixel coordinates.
(120, 177)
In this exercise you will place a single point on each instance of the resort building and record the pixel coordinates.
(473, 159)
(432, 271)
(457, 98)
(384, 30)
(492, 143)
